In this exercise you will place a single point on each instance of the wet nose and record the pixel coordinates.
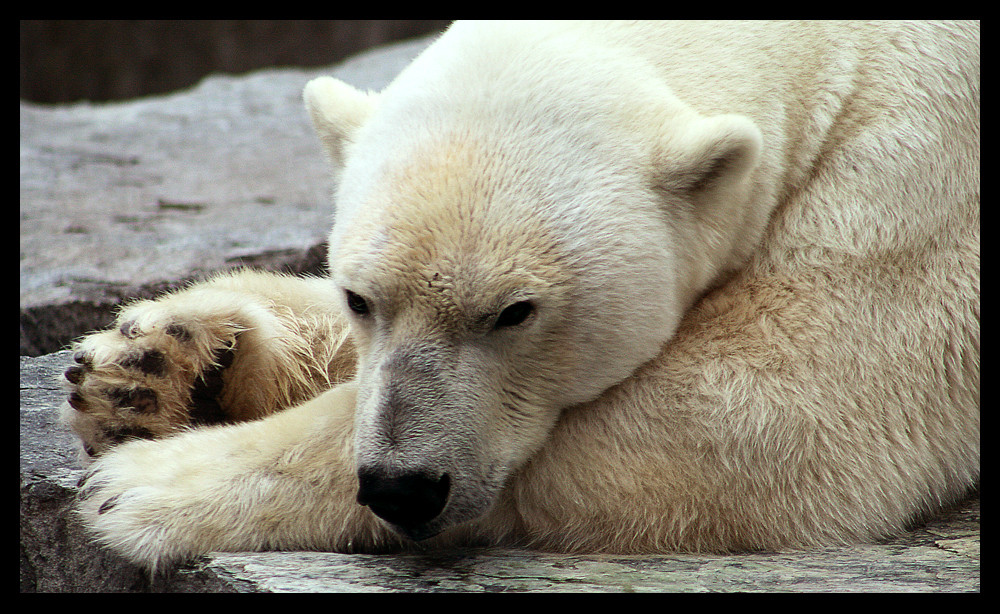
(407, 499)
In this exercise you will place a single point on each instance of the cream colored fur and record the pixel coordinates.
(751, 254)
(291, 346)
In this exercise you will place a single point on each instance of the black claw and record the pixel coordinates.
(77, 402)
(108, 505)
(129, 329)
(74, 374)
(82, 358)
(85, 487)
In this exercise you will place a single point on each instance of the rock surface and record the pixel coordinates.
(127, 199)
(941, 555)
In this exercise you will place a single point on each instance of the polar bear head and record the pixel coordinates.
(504, 257)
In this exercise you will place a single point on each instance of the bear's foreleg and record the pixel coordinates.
(286, 481)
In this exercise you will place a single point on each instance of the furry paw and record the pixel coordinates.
(143, 500)
(160, 369)
(285, 481)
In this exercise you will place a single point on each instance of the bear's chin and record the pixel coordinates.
(419, 533)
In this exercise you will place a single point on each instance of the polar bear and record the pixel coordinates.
(594, 287)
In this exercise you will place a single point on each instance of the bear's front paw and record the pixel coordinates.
(155, 372)
(134, 501)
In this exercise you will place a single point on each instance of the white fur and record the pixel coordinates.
(752, 252)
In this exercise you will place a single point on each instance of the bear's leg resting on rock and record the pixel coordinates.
(286, 481)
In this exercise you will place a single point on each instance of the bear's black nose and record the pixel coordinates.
(407, 500)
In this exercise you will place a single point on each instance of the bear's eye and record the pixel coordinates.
(514, 314)
(357, 304)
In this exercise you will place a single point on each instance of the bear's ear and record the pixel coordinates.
(708, 159)
(337, 111)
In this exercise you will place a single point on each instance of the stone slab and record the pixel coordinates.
(873, 568)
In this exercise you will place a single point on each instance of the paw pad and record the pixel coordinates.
(150, 362)
(139, 400)
(145, 378)
(178, 332)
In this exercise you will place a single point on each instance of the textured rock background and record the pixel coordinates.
(125, 199)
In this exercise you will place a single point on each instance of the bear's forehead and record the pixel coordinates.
(450, 210)
(451, 270)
